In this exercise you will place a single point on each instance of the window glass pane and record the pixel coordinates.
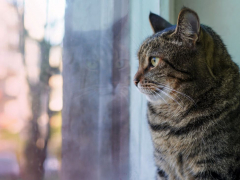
(96, 90)
(68, 107)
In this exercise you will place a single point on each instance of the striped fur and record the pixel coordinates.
(193, 102)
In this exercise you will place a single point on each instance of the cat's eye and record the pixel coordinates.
(154, 61)
(92, 65)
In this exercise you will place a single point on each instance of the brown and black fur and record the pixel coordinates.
(195, 128)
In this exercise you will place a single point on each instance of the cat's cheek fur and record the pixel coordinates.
(155, 100)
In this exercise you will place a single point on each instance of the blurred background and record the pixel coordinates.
(31, 34)
(68, 107)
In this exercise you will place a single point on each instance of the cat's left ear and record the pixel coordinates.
(188, 25)
(158, 23)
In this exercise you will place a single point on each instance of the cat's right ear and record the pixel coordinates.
(188, 25)
(158, 23)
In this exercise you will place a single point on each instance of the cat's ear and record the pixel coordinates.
(188, 25)
(158, 23)
(120, 26)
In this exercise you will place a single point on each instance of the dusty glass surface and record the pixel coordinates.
(96, 90)
(64, 90)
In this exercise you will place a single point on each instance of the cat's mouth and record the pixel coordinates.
(149, 88)
(152, 93)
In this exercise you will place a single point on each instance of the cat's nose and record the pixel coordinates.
(136, 81)
(137, 77)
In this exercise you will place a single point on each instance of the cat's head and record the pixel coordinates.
(178, 59)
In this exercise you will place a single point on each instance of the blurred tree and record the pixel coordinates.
(95, 129)
(36, 145)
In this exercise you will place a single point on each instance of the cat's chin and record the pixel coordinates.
(155, 100)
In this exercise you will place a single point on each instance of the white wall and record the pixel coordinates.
(223, 16)
(167, 10)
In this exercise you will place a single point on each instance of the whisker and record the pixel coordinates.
(168, 95)
(169, 91)
(154, 93)
(160, 96)
(169, 88)
(185, 95)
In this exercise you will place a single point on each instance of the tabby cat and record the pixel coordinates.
(193, 92)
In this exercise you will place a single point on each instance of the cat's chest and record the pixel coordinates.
(171, 145)
(168, 136)
(173, 154)
(173, 149)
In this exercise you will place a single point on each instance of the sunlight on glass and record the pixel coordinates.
(55, 56)
(32, 52)
(11, 107)
(12, 85)
(40, 143)
(35, 18)
(56, 81)
(3, 71)
(56, 103)
(11, 120)
(55, 122)
(43, 120)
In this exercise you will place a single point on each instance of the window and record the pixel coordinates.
(68, 106)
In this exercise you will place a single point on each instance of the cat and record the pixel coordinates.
(193, 91)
